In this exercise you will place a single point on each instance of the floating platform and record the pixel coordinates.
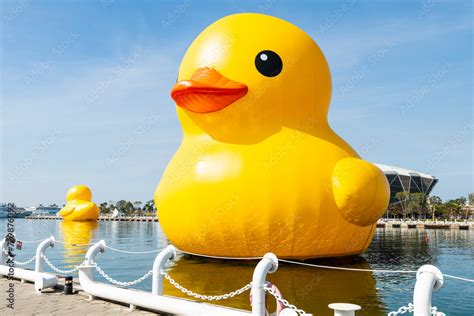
(380, 224)
(425, 225)
(104, 218)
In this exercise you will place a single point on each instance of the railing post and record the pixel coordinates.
(39, 261)
(93, 251)
(89, 261)
(85, 270)
(169, 253)
(428, 279)
(268, 264)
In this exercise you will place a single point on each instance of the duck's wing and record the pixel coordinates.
(66, 210)
(86, 210)
(361, 191)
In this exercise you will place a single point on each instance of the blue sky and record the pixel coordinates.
(85, 88)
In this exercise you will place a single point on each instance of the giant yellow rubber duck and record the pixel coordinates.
(259, 168)
(79, 206)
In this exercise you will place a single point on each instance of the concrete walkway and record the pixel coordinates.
(53, 302)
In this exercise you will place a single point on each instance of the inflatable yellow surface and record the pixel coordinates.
(77, 236)
(79, 206)
(259, 168)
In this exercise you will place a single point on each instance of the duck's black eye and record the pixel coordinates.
(268, 63)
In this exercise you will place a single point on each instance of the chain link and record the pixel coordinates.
(19, 263)
(120, 283)
(206, 297)
(435, 312)
(409, 308)
(280, 299)
(402, 310)
(57, 269)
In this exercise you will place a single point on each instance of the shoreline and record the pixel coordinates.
(380, 224)
(425, 225)
(103, 218)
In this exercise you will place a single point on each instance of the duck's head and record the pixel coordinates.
(247, 76)
(79, 192)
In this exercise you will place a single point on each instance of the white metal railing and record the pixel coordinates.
(41, 279)
(167, 254)
(151, 300)
(428, 279)
(268, 264)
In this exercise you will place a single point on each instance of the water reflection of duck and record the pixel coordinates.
(76, 236)
(311, 289)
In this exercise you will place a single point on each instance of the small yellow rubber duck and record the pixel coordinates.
(259, 168)
(79, 206)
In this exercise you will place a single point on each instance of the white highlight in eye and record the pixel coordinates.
(263, 57)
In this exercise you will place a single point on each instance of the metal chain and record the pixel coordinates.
(402, 310)
(409, 308)
(57, 269)
(206, 297)
(280, 299)
(120, 283)
(19, 263)
(435, 312)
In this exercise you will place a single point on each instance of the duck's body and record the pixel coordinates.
(79, 206)
(264, 172)
(246, 200)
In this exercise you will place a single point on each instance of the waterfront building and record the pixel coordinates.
(408, 181)
(44, 210)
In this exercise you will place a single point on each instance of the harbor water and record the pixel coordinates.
(309, 288)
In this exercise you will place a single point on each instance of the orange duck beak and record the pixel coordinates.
(207, 91)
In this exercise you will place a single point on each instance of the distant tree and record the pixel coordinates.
(128, 208)
(470, 198)
(433, 202)
(104, 208)
(440, 211)
(137, 205)
(149, 206)
(414, 205)
(120, 205)
(463, 211)
(462, 200)
(453, 209)
(403, 198)
(395, 210)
